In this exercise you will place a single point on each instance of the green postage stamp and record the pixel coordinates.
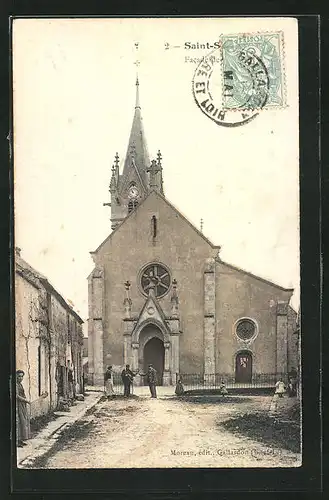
(253, 71)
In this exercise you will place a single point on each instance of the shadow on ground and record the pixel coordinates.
(81, 429)
(209, 399)
(266, 429)
(76, 431)
(38, 423)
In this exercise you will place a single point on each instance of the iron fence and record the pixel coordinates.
(200, 381)
(195, 381)
(118, 384)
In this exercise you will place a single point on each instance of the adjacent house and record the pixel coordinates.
(48, 339)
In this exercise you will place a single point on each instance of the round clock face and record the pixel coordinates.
(133, 192)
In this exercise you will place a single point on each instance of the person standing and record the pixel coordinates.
(22, 415)
(108, 382)
(83, 383)
(127, 379)
(179, 391)
(70, 380)
(152, 380)
(292, 385)
(280, 388)
(222, 389)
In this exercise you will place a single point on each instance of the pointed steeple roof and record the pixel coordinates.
(137, 154)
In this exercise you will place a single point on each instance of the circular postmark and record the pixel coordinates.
(233, 92)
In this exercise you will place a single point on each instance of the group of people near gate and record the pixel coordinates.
(291, 388)
(127, 376)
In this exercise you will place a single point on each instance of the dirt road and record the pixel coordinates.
(166, 432)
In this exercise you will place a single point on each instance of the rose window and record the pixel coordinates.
(245, 329)
(155, 276)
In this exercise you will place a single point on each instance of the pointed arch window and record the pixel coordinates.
(132, 204)
(154, 226)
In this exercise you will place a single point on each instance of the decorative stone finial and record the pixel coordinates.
(174, 299)
(113, 182)
(127, 301)
(159, 157)
(153, 170)
(201, 225)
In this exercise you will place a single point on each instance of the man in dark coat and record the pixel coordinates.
(152, 380)
(127, 379)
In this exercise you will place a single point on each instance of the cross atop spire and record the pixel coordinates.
(137, 102)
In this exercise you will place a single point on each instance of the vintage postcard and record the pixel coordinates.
(156, 171)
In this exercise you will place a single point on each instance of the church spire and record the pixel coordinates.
(137, 157)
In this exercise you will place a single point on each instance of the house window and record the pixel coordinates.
(246, 329)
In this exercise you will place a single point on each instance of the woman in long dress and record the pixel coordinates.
(108, 382)
(22, 413)
(179, 391)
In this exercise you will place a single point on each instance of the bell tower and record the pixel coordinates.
(139, 174)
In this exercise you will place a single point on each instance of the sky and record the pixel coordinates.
(74, 95)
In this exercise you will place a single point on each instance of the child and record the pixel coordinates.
(179, 391)
(222, 389)
(280, 388)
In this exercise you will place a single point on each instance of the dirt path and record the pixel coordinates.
(167, 433)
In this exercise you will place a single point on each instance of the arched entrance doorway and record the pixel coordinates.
(243, 367)
(154, 353)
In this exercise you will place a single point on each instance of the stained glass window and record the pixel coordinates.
(245, 329)
(155, 276)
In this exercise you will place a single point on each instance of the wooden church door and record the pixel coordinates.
(154, 353)
(243, 367)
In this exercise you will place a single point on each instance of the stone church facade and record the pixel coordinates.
(160, 293)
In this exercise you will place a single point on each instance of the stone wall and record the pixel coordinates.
(67, 346)
(27, 342)
(240, 295)
(47, 333)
